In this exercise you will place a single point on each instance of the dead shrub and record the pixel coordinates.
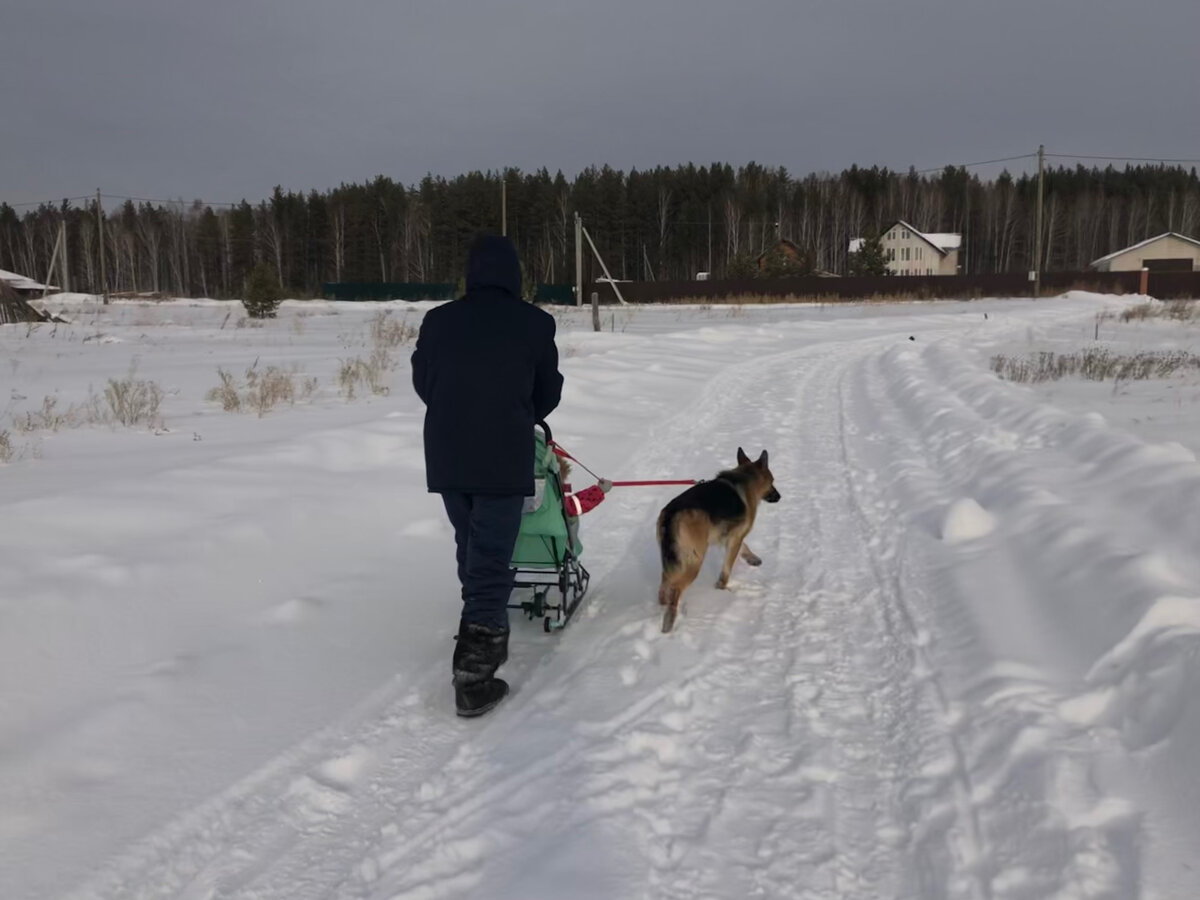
(370, 374)
(7, 451)
(391, 333)
(1098, 364)
(360, 376)
(226, 393)
(128, 401)
(1138, 313)
(266, 390)
(48, 418)
(1176, 310)
(263, 389)
(134, 401)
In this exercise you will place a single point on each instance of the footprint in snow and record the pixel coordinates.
(346, 772)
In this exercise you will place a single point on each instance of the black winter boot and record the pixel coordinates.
(480, 651)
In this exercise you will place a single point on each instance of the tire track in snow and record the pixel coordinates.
(685, 773)
(890, 546)
(622, 781)
(1064, 834)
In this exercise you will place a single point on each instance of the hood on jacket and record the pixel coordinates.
(492, 263)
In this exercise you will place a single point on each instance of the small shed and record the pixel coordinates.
(24, 287)
(14, 308)
(1168, 252)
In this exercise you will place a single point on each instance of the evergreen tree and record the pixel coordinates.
(870, 258)
(262, 294)
(741, 266)
(665, 223)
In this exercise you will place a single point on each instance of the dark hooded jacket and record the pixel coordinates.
(487, 369)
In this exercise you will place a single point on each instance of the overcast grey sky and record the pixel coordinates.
(221, 99)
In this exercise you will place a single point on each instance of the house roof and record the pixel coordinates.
(21, 283)
(1140, 244)
(941, 241)
(782, 242)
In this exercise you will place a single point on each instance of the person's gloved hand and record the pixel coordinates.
(605, 485)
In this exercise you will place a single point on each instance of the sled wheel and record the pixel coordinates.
(546, 625)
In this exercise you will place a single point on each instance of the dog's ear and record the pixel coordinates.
(743, 459)
(762, 460)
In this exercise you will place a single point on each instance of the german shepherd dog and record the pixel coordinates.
(720, 511)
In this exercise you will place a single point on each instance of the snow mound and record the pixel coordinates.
(966, 520)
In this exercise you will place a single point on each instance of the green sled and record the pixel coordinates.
(549, 575)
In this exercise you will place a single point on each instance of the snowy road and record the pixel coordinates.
(965, 669)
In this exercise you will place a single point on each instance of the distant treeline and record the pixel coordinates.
(660, 224)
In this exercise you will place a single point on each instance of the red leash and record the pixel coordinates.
(563, 453)
(649, 483)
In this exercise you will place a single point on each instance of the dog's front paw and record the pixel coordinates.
(722, 584)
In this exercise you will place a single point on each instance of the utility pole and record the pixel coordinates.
(65, 267)
(578, 260)
(100, 228)
(53, 260)
(710, 275)
(1037, 238)
(504, 203)
(600, 259)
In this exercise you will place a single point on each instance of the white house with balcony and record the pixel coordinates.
(913, 252)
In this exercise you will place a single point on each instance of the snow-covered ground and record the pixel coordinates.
(967, 668)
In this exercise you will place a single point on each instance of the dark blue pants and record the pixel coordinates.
(485, 532)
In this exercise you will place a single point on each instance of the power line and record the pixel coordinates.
(1158, 159)
(168, 202)
(971, 165)
(48, 202)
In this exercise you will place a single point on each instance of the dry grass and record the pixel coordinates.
(1176, 310)
(1094, 365)
(129, 402)
(8, 451)
(372, 375)
(772, 299)
(226, 393)
(49, 417)
(360, 376)
(391, 333)
(134, 401)
(263, 389)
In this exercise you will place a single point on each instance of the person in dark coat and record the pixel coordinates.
(486, 367)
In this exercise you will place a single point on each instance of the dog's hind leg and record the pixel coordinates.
(749, 556)
(669, 598)
(672, 590)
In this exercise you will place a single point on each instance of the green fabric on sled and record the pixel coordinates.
(542, 541)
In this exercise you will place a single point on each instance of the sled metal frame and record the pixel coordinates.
(568, 581)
